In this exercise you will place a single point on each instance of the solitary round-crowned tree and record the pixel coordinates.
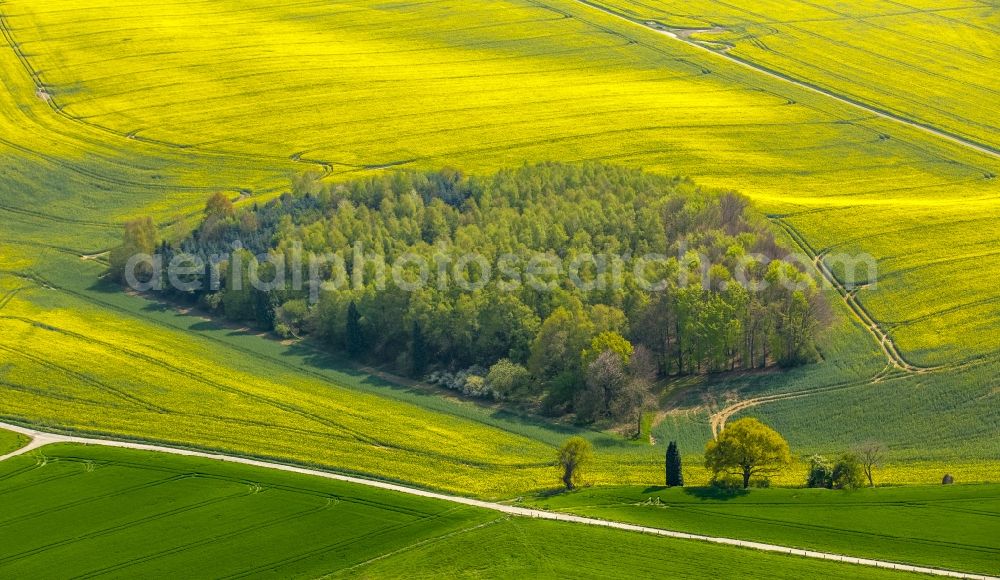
(747, 448)
(574, 456)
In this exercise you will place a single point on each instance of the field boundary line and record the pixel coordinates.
(660, 28)
(894, 357)
(42, 91)
(41, 438)
(414, 546)
(881, 336)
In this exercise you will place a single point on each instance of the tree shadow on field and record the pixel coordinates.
(509, 416)
(314, 356)
(310, 356)
(716, 493)
(104, 286)
(207, 325)
(554, 492)
(159, 307)
(602, 440)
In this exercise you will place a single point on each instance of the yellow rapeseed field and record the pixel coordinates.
(111, 110)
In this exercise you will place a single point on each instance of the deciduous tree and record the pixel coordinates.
(608, 341)
(574, 457)
(820, 472)
(848, 472)
(747, 448)
(871, 455)
(219, 206)
(139, 238)
(605, 379)
(354, 336)
(508, 380)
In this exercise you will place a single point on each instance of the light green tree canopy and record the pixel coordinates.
(574, 456)
(608, 341)
(747, 448)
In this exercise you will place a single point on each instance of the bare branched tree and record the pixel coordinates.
(871, 454)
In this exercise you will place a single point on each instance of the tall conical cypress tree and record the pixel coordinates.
(418, 352)
(675, 476)
(354, 339)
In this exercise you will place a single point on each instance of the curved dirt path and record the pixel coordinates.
(929, 129)
(888, 347)
(717, 420)
(882, 338)
(40, 439)
(885, 342)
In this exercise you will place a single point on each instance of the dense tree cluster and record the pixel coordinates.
(590, 340)
(851, 469)
(846, 473)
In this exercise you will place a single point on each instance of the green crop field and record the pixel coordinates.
(11, 441)
(87, 511)
(110, 111)
(956, 527)
(524, 552)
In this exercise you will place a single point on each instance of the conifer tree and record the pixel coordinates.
(354, 337)
(675, 476)
(418, 352)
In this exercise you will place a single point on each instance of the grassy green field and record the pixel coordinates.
(90, 512)
(526, 551)
(109, 111)
(956, 527)
(11, 441)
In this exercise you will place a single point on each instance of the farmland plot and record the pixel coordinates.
(88, 511)
(927, 62)
(110, 111)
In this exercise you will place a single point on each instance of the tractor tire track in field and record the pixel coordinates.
(115, 529)
(342, 430)
(256, 571)
(35, 482)
(897, 363)
(882, 337)
(258, 527)
(55, 218)
(422, 543)
(717, 421)
(42, 90)
(665, 30)
(845, 44)
(186, 474)
(103, 178)
(860, 534)
(81, 377)
(30, 244)
(40, 438)
(93, 498)
(48, 394)
(262, 399)
(37, 279)
(7, 297)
